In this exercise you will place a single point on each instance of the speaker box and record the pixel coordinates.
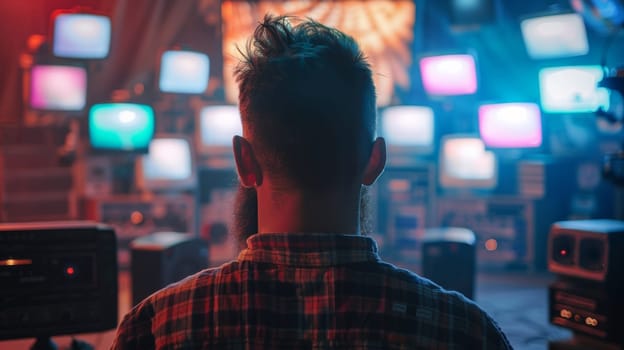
(449, 258)
(587, 296)
(588, 250)
(162, 258)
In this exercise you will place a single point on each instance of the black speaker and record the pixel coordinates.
(449, 258)
(162, 258)
(57, 278)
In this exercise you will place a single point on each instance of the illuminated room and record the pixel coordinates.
(504, 167)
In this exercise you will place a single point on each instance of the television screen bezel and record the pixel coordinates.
(158, 186)
(113, 151)
(79, 11)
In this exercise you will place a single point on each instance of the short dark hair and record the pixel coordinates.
(306, 92)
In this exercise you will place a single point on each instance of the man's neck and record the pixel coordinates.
(308, 211)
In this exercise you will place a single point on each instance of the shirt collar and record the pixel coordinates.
(309, 249)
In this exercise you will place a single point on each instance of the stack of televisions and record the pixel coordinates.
(504, 132)
(467, 161)
(59, 84)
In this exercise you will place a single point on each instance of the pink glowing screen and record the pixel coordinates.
(510, 125)
(58, 88)
(449, 75)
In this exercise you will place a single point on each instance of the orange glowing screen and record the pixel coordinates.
(384, 29)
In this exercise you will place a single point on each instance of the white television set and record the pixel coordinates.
(408, 128)
(572, 89)
(81, 35)
(168, 166)
(184, 72)
(555, 36)
(465, 164)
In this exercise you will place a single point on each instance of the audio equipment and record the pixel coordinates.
(57, 278)
(449, 258)
(137, 216)
(503, 225)
(587, 296)
(589, 250)
(162, 258)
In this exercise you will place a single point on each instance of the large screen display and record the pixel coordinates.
(384, 30)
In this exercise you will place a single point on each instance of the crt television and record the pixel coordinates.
(125, 127)
(184, 72)
(168, 165)
(58, 88)
(555, 36)
(80, 35)
(448, 75)
(572, 89)
(217, 126)
(510, 125)
(466, 164)
(408, 128)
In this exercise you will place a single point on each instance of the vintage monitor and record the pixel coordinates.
(57, 278)
(587, 296)
(162, 258)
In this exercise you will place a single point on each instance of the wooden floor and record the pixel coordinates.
(516, 300)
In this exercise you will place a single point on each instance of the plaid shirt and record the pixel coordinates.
(307, 291)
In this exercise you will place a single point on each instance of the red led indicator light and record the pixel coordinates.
(563, 252)
(70, 271)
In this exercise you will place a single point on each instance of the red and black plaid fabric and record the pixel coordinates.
(307, 291)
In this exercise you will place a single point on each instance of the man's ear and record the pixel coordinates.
(376, 162)
(246, 163)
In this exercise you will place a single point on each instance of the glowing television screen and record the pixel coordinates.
(58, 88)
(217, 127)
(555, 36)
(184, 72)
(384, 29)
(121, 127)
(448, 75)
(167, 166)
(408, 127)
(81, 35)
(466, 164)
(572, 89)
(510, 125)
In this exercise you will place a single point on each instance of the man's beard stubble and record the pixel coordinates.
(246, 214)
